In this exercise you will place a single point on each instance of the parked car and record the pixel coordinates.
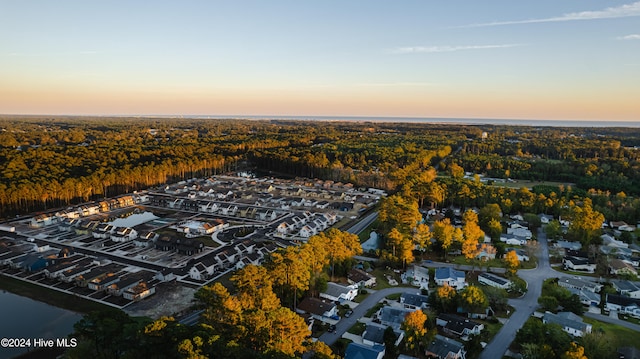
(332, 328)
(348, 313)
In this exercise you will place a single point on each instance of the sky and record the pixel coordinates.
(502, 59)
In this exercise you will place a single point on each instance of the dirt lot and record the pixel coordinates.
(170, 298)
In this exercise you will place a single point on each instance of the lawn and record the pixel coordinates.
(373, 310)
(364, 235)
(618, 335)
(381, 278)
(357, 328)
(49, 296)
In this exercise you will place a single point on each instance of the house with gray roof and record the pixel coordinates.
(393, 317)
(587, 297)
(569, 322)
(628, 288)
(374, 335)
(579, 264)
(458, 326)
(417, 276)
(622, 304)
(338, 292)
(445, 348)
(577, 283)
(493, 280)
(414, 301)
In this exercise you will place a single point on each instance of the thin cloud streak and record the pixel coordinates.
(437, 49)
(627, 10)
(630, 37)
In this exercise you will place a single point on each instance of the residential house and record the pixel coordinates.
(566, 245)
(374, 335)
(123, 234)
(578, 264)
(414, 301)
(512, 239)
(586, 297)
(520, 231)
(103, 231)
(622, 304)
(338, 292)
(125, 282)
(361, 351)
(145, 239)
(320, 309)
(569, 322)
(103, 282)
(138, 292)
(628, 288)
(459, 326)
(486, 251)
(43, 220)
(610, 241)
(618, 267)
(445, 348)
(249, 259)
(417, 276)
(493, 280)
(581, 284)
(361, 278)
(520, 253)
(393, 317)
(454, 278)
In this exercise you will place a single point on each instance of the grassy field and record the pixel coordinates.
(619, 336)
(530, 184)
(49, 296)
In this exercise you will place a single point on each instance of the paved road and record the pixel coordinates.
(524, 306)
(374, 298)
(364, 223)
(608, 319)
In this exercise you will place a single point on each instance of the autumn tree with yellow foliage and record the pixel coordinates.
(415, 330)
(512, 262)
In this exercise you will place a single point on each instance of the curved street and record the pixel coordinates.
(369, 302)
(524, 306)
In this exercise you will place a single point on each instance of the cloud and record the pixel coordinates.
(630, 37)
(627, 10)
(434, 49)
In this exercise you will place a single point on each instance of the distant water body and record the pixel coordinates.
(458, 121)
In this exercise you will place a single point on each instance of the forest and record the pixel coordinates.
(51, 162)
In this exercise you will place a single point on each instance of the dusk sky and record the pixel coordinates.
(543, 59)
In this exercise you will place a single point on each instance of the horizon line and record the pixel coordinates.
(361, 118)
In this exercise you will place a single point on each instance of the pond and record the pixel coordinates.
(26, 318)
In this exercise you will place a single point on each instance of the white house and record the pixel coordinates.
(338, 292)
(494, 280)
(454, 278)
(579, 264)
(417, 276)
(628, 288)
(513, 240)
(320, 309)
(569, 322)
